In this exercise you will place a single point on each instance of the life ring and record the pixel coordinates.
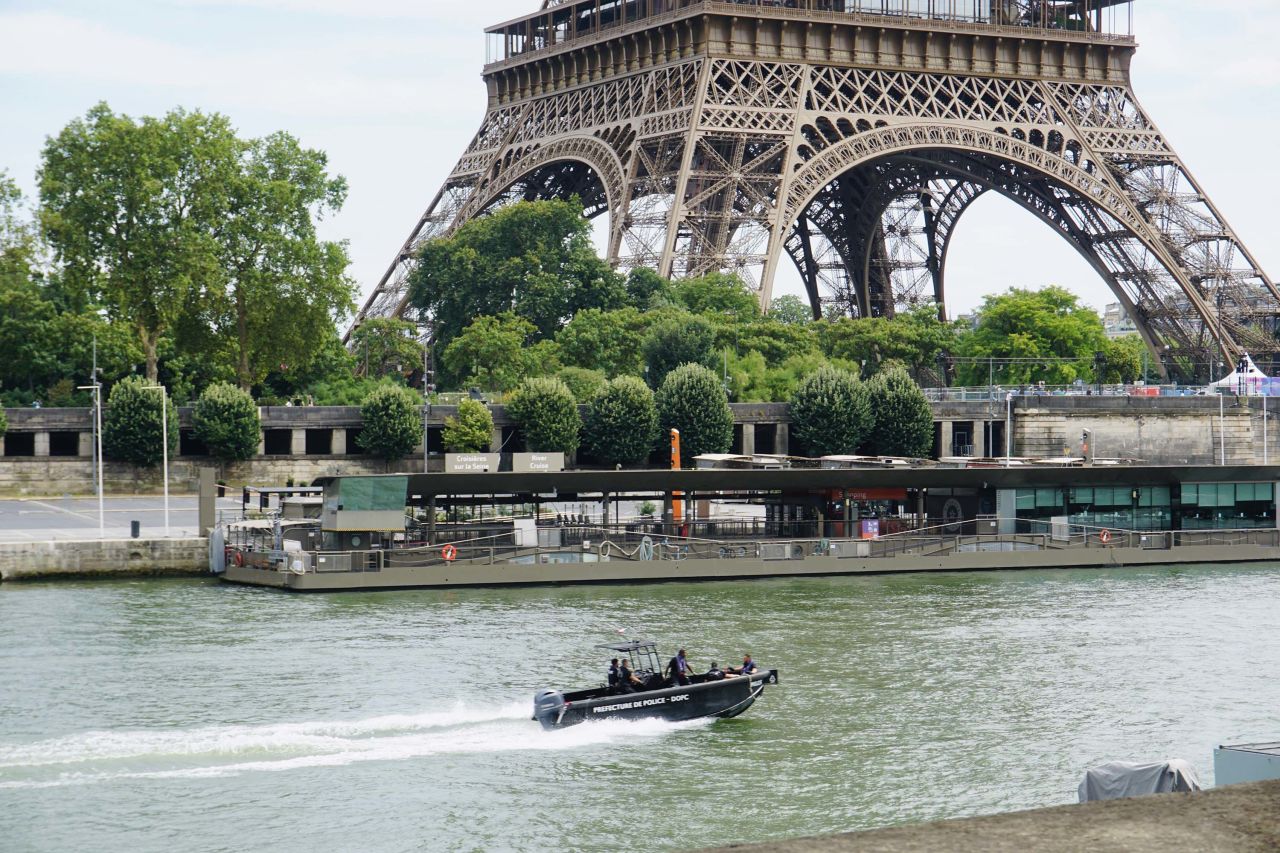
(238, 558)
(1105, 536)
(449, 553)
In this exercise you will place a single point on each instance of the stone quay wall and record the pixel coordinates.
(30, 561)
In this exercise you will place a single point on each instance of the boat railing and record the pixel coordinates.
(609, 543)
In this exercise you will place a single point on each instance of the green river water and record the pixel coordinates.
(189, 715)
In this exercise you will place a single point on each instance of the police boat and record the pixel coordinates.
(656, 696)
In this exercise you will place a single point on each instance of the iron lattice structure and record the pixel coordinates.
(849, 137)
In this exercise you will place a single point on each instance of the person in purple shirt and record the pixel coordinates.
(678, 669)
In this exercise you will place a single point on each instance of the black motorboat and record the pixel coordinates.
(726, 697)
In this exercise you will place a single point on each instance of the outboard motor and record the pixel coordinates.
(548, 707)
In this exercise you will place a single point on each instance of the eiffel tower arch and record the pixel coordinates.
(849, 137)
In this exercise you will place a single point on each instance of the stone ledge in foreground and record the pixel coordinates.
(1233, 819)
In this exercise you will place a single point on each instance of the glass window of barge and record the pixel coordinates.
(373, 494)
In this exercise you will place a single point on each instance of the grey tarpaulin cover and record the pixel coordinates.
(1127, 779)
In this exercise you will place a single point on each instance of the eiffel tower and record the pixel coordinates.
(849, 137)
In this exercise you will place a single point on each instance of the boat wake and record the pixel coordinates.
(214, 751)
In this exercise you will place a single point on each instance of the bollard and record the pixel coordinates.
(135, 528)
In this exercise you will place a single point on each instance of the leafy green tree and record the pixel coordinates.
(547, 414)
(534, 259)
(1032, 336)
(471, 430)
(130, 208)
(279, 287)
(716, 293)
(692, 400)
(226, 419)
(790, 309)
(901, 418)
(132, 428)
(383, 345)
(1124, 358)
(496, 353)
(583, 384)
(644, 285)
(682, 339)
(621, 426)
(914, 338)
(775, 341)
(4, 423)
(830, 413)
(609, 341)
(392, 422)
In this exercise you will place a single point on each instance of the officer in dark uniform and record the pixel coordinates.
(614, 677)
(714, 674)
(627, 681)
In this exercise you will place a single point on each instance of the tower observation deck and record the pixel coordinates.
(848, 137)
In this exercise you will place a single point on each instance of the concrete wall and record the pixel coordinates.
(116, 557)
(42, 476)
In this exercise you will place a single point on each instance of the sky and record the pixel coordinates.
(391, 90)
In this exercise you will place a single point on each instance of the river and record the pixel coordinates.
(157, 715)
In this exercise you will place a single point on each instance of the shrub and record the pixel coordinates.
(392, 422)
(902, 420)
(680, 340)
(830, 413)
(622, 422)
(547, 414)
(131, 429)
(693, 401)
(584, 384)
(226, 419)
(470, 430)
(4, 423)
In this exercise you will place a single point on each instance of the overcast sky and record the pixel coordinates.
(391, 90)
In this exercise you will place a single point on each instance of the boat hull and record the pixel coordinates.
(727, 698)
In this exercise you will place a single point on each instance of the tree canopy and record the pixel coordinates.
(693, 401)
(621, 426)
(830, 413)
(901, 418)
(547, 414)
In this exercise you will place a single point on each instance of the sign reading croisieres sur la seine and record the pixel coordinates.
(470, 463)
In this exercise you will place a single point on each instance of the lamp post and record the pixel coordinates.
(164, 441)
(1008, 427)
(96, 388)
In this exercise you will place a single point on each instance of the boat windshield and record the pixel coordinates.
(643, 654)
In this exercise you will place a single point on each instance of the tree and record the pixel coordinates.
(533, 259)
(583, 384)
(682, 339)
(547, 414)
(226, 419)
(621, 426)
(901, 418)
(716, 293)
(471, 430)
(1124, 358)
(643, 285)
(790, 309)
(383, 344)
(496, 353)
(392, 422)
(130, 207)
(693, 401)
(915, 338)
(830, 413)
(279, 286)
(131, 428)
(1039, 335)
(4, 423)
(609, 341)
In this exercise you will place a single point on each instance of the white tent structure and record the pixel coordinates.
(1250, 382)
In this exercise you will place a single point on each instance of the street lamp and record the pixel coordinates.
(164, 440)
(96, 388)
(1008, 427)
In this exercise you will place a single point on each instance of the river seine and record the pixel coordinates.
(188, 715)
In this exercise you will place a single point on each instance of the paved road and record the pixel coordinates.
(25, 520)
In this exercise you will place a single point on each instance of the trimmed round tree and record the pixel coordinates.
(547, 414)
(693, 401)
(830, 413)
(392, 422)
(622, 422)
(470, 430)
(226, 419)
(583, 383)
(131, 429)
(684, 339)
(902, 420)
